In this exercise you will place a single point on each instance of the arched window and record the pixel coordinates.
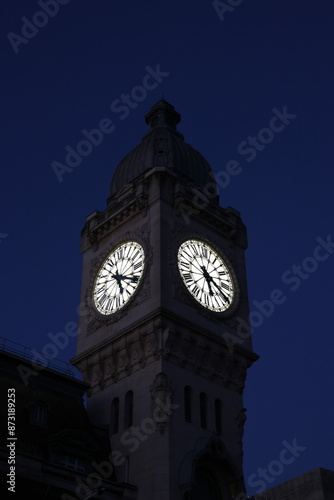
(128, 409)
(203, 409)
(114, 416)
(38, 414)
(187, 403)
(218, 415)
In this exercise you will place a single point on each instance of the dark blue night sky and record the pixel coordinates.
(253, 82)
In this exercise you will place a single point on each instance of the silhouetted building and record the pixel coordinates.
(317, 484)
(55, 450)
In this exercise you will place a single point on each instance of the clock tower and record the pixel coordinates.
(164, 342)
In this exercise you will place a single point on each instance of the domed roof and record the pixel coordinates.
(162, 145)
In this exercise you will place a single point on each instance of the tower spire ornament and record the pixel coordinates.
(160, 294)
(163, 114)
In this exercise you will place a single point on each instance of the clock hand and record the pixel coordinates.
(134, 279)
(118, 278)
(226, 298)
(208, 279)
(120, 285)
(209, 285)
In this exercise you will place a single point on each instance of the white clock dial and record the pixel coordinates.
(118, 277)
(206, 275)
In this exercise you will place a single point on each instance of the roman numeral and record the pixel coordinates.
(194, 249)
(136, 266)
(185, 264)
(196, 290)
(109, 304)
(102, 299)
(224, 297)
(205, 252)
(224, 285)
(120, 253)
(187, 277)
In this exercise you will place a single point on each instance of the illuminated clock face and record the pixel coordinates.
(206, 275)
(118, 277)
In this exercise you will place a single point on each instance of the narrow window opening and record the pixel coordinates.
(38, 414)
(203, 409)
(218, 416)
(114, 416)
(128, 409)
(187, 403)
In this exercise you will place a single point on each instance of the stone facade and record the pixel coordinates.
(162, 335)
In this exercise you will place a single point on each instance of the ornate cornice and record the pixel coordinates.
(208, 358)
(161, 339)
(132, 202)
(190, 204)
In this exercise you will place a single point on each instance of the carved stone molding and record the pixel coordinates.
(118, 359)
(131, 203)
(161, 395)
(162, 339)
(208, 358)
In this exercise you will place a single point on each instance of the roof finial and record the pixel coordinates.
(163, 114)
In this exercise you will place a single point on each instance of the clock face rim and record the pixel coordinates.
(224, 265)
(119, 280)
